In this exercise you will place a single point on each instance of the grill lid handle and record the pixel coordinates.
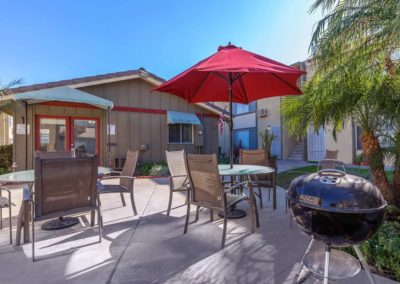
(330, 166)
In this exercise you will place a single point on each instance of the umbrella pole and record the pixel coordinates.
(109, 135)
(26, 135)
(231, 122)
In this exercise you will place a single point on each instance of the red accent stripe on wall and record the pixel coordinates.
(156, 111)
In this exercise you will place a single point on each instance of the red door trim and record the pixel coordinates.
(67, 130)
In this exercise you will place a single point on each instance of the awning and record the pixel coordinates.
(174, 117)
(60, 94)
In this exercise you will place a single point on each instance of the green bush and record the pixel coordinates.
(154, 169)
(6, 158)
(383, 250)
(159, 170)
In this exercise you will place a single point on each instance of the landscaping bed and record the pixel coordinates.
(382, 251)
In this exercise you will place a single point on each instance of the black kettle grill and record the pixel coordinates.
(338, 209)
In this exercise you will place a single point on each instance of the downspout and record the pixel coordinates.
(26, 135)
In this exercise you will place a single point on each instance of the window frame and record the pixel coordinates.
(180, 135)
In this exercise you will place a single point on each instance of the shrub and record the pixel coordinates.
(145, 168)
(159, 170)
(383, 250)
(6, 158)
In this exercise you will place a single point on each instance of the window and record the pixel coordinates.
(245, 138)
(180, 133)
(243, 108)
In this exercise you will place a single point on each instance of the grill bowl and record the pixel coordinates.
(336, 207)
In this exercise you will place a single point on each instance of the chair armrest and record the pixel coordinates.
(243, 183)
(115, 177)
(112, 172)
(5, 189)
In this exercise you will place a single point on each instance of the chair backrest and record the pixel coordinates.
(129, 166)
(331, 155)
(205, 180)
(253, 157)
(176, 161)
(64, 184)
(54, 155)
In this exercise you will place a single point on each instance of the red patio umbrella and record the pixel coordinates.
(233, 75)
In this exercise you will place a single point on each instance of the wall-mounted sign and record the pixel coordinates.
(44, 136)
(111, 129)
(21, 129)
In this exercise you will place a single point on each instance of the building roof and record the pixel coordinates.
(93, 80)
(104, 79)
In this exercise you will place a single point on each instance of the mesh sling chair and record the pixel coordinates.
(64, 186)
(6, 203)
(126, 180)
(258, 158)
(178, 181)
(207, 190)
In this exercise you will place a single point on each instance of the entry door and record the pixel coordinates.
(52, 133)
(85, 135)
(276, 148)
(316, 144)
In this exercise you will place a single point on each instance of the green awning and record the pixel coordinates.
(174, 117)
(60, 94)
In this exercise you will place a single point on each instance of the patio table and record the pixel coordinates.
(248, 171)
(23, 215)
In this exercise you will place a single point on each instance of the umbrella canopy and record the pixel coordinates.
(233, 74)
(253, 77)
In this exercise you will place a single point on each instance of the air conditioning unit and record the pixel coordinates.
(262, 112)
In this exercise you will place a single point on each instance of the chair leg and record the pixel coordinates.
(9, 220)
(92, 216)
(100, 217)
(197, 213)
(260, 195)
(224, 229)
(33, 232)
(123, 199)
(99, 221)
(256, 212)
(252, 214)
(1, 218)
(169, 202)
(211, 215)
(133, 203)
(187, 218)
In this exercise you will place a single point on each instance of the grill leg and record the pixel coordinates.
(301, 277)
(364, 264)
(326, 272)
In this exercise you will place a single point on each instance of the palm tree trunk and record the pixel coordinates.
(374, 156)
(396, 182)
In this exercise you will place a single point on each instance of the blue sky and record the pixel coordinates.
(48, 40)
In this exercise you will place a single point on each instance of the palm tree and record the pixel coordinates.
(337, 98)
(352, 30)
(355, 48)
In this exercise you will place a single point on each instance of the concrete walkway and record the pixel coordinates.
(152, 248)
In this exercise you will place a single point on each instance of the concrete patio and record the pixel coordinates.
(151, 247)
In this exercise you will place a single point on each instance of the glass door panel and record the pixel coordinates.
(85, 136)
(52, 134)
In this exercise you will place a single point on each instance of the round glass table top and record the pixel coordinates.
(238, 170)
(29, 176)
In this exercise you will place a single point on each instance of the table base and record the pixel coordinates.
(233, 213)
(61, 223)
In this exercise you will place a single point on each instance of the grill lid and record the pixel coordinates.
(334, 190)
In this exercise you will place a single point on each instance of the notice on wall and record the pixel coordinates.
(44, 136)
(111, 129)
(21, 129)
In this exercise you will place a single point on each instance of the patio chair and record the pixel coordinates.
(259, 158)
(126, 180)
(207, 190)
(330, 160)
(64, 186)
(6, 203)
(178, 181)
